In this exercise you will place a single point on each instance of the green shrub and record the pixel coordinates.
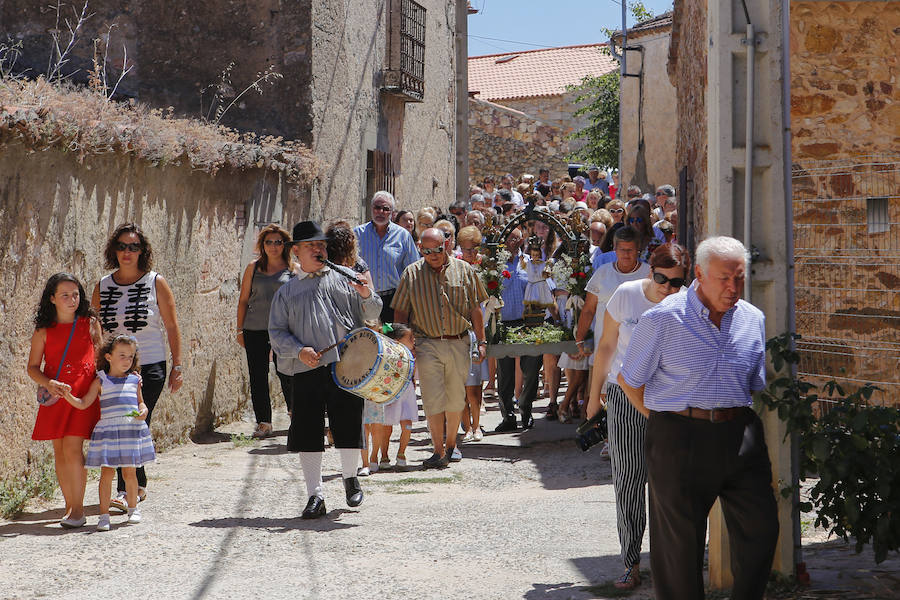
(39, 480)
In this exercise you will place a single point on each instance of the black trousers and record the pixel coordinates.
(690, 463)
(506, 384)
(256, 345)
(153, 381)
(313, 392)
(387, 313)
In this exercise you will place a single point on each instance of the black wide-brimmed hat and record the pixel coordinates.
(307, 231)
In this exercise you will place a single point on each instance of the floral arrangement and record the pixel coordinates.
(492, 270)
(572, 273)
(542, 334)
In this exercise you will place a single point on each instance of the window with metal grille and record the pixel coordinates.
(405, 75)
(379, 176)
(877, 215)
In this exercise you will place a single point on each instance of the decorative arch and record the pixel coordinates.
(569, 238)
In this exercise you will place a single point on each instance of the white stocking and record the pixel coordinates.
(311, 463)
(349, 461)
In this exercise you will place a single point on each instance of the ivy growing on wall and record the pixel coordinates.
(852, 449)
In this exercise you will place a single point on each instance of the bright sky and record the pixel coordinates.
(515, 25)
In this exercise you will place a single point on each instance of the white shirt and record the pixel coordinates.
(602, 284)
(626, 306)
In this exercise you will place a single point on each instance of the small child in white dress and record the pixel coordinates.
(537, 290)
(121, 437)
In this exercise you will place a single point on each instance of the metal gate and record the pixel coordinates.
(847, 282)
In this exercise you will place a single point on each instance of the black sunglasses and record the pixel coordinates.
(274, 242)
(122, 247)
(428, 251)
(675, 282)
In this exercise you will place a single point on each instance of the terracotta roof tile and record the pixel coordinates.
(532, 73)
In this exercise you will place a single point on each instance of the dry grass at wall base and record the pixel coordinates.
(38, 480)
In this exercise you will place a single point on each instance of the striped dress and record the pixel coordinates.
(119, 440)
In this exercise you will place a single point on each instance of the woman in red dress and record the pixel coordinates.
(64, 306)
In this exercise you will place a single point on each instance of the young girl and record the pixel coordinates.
(121, 438)
(404, 409)
(64, 312)
(537, 290)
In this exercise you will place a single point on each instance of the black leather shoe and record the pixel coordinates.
(315, 508)
(508, 424)
(527, 421)
(353, 491)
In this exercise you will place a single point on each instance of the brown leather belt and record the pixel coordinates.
(462, 335)
(716, 415)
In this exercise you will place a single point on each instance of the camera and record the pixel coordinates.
(592, 431)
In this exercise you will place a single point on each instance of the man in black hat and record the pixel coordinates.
(310, 313)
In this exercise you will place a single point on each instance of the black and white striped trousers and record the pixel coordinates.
(629, 471)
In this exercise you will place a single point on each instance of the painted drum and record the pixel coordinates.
(373, 366)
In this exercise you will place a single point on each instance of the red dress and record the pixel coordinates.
(62, 419)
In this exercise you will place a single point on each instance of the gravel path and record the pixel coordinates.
(524, 515)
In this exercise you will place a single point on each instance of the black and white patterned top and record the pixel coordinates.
(133, 310)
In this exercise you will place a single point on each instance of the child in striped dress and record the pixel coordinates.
(121, 438)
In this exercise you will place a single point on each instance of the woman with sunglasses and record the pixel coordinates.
(669, 266)
(273, 267)
(639, 219)
(134, 300)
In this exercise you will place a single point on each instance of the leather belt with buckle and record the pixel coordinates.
(715, 415)
(462, 335)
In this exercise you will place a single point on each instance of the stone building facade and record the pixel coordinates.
(845, 113)
(648, 113)
(334, 59)
(503, 140)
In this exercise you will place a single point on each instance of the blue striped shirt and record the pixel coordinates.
(513, 291)
(386, 256)
(602, 258)
(684, 360)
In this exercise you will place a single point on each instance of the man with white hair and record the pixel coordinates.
(387, 248)
(693, 362)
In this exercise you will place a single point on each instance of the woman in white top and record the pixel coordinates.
(136, 301)
(669, 266)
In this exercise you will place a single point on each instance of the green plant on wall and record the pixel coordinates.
(852, 449)
(598, 98)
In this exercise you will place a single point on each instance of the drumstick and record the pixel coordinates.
(331, 347)
(339, 269)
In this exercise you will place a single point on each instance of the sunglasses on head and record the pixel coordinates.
(122, 247)
(675, 282)
(428, 251)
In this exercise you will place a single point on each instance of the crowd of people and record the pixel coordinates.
(417, 278)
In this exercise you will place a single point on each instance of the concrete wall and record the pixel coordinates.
(502, 141)
(56, 214)
(178, 49)
(845, 79)
(351, 115)
(655, 120)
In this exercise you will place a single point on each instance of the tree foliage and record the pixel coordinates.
(598, 98)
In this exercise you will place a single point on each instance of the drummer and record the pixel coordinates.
(440, 297)
(310, 313)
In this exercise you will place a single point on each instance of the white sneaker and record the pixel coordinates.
(604, 451)
(468, 437)
(363, 472)
(456, 456)
(373, 468)
(134, 515)
(401, 462)
(103, 523)
(478, 435)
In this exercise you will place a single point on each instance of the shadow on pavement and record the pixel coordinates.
(280, 525)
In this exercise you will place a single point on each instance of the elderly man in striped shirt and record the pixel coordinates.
(440, 297)
(387, 248)
(691, 366)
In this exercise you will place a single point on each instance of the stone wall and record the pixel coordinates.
(177, 50)
(502, 140)
(650, 114)
(558, 111)
(687, 72)
(57, 213)
(845, 79)
(351, 116)
(845, 109)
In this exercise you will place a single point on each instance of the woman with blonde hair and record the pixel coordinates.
(425, 219)
(273, 267)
